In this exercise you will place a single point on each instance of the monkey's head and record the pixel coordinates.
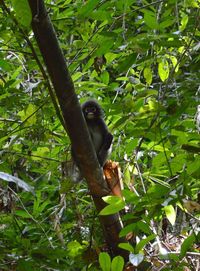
(92, 110)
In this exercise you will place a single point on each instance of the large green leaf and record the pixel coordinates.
(170, 214)
(117, 264)
(116, 204)
(188, 242)
(23, 12)
(163, 69)
(104, 261)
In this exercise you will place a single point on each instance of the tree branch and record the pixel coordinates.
(74, 121)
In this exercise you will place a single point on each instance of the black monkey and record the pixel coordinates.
(99, 133)
(101, 138)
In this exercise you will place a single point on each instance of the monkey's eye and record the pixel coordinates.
(93, 109)
(90, 110)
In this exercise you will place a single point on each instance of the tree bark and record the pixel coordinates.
(74, 120)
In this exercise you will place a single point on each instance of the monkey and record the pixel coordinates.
(100, 136)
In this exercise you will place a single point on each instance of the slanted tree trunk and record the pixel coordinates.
(74, 120)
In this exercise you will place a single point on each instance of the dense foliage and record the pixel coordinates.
(141, 61)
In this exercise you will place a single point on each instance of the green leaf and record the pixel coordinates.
(74, 248)
(105, 77)
(112, 199)
(150, 20)
(116, 204)
(158, 191)
(43, 205)
(188, 242)
(77, 76)
(29, 114)
(105, 261)
(143, 226)
(170, 214)
(184, 22)
(178, 162)
(126, 246)
(114, 209)
(144, 242)
(5, 65)
(23, 12)
(163, 69)
(174, 62)
(22, 213)
(110, 57)
(182, 137)
(127, 62)
(117, 264)
(127, 229)
(24, 265)
(193, 166)
(87, 8)
(166, 23)
(50, 253)
(40, 152)
(127, 175)
(148, 75)
(100, 15)
(104, 44)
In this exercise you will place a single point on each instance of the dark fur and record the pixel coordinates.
(101, 138)
(99, 133)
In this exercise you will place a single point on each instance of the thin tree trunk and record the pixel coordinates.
(74, 120)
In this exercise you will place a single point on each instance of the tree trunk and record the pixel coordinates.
(74, 120)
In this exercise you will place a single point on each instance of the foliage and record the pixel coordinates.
(106, 264)
(141, 61)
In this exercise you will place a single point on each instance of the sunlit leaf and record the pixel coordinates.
(148, 75)
(163, 69)
(115, 205)
(117, 263)
(170, 214)
(184, 22)
(104, 261)
(74, 248)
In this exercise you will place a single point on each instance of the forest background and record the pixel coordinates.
(140, 60)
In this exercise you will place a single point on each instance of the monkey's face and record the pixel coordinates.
(90, 112)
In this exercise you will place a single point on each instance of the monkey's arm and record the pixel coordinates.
(105, 149)
(108, 141)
